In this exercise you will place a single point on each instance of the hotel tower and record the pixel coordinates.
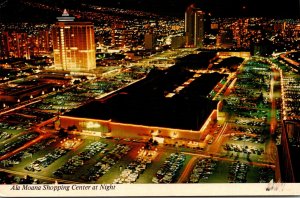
(194, 26)
(73, 44)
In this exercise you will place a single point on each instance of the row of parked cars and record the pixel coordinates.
(132, 172)
(238, 172)
(170, 169)
(46, 160)
(78, 160)
(20, 141)
(251, 123)
(4, 135)
(243, 148)
(202, 170)
(103, 166)
(250, 130)
(257, 139)
(15, 121)
(7, 178)
(266, 174)
(28, 152)
(12, 126)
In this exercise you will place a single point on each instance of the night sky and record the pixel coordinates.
(288, 8)
(14, 11)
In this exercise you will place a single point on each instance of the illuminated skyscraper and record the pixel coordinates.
(149, 41)
(194, 26)
(14, 45)
(39, 43)
(4, 51)
(73, 44)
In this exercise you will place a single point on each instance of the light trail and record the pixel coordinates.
(19, 107)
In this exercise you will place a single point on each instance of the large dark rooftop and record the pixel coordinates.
(145, 102)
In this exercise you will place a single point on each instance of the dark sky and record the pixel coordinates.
(218, 8)
(287, 8)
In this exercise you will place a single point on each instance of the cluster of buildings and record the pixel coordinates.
(259, 35)
(144, 35)
(24, 45)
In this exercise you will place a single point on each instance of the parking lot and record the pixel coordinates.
(209, 170)
(88, 159)
(97, 160)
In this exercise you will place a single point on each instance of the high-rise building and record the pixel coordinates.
(194, 26)
(296, 32)
(118, 35)
(23, 45)
(149, 41)
(14, 45)
(39, 43)
(42, 44)
(73, 44)
(177, 42)
(4, 51)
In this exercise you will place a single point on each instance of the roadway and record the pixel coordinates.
(187, 171)
(275, 94)
(217, 143)
(19, 106)
(273, 97)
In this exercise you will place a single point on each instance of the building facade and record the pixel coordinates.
(194, 26)
(73, 44)
(14, 45)
(149, 41)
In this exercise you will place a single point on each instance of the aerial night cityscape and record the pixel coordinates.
(149, 92)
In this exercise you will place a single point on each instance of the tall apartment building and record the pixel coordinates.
(23, 45)
(14, 45)
(194, 26)
(40, 43)
(149, 41)
(73, 44)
